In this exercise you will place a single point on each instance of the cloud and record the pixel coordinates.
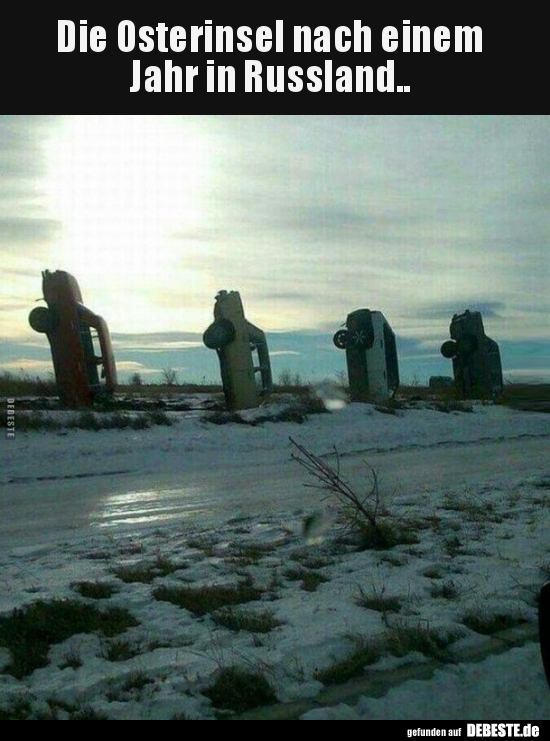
(13, 273)
(526, 375)
(156, 342)
(445, 310)
(22, 160)
(131, 366)
(27, 365)
(32, 233)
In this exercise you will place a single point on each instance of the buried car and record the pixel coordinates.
(83, 375)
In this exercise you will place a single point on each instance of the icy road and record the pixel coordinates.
(54, 483)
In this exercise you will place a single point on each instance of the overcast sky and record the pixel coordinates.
(309, 217)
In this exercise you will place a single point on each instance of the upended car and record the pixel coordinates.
(80, 343)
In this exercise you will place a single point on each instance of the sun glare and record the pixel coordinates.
(121, 186)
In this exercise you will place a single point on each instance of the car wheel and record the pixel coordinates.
(362, 339)
(342, 339)
(219, 334)
(39, 319)
(448, 349)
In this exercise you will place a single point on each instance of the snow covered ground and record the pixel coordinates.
(143, 515)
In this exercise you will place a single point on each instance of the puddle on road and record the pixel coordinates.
(152, 507)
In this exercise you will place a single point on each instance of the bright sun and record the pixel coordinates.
(122, 186)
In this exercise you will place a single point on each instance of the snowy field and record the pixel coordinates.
(440, 624)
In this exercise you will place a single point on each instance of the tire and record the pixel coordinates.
(342, 339)
(219, 334)
(449, 349)
(361, 339)
(40, 319)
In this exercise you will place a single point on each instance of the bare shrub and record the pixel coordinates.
(170, 376)
(361, 513)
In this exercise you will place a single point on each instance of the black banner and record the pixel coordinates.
(412, 61)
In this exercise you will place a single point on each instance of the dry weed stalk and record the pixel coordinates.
(356, 508)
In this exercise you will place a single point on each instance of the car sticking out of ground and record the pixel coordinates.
(83, 375)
